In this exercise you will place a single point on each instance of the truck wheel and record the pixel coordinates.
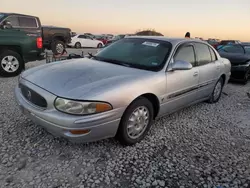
(57, 47)
(11, 63)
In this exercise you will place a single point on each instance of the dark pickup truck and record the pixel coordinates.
(23, 39)
(56, 38)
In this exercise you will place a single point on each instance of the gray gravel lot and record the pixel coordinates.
(206, 145)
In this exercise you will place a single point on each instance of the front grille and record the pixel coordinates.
(32, 96)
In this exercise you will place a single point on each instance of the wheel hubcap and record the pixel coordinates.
(10, 64)
(138, 122)
(59, 48)
(217, 90)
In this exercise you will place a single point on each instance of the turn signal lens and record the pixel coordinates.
(102, 107)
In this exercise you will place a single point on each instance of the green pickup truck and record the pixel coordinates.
(19, 45)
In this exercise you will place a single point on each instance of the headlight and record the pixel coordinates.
(81, 108)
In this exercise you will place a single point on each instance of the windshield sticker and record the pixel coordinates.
(154, 63)
(151, 44)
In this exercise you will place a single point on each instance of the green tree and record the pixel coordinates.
(148, 32)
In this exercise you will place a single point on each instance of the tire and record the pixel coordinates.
(215, 96)
(58, 47)
(78, 45)
(13, 60)
(123, 134)
(246, 76)
(99, 45)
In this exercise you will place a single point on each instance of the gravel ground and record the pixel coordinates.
(201, 146)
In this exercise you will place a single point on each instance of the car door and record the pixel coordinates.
(82, 40)
(181, 84)
(209, 69)
(91, 42)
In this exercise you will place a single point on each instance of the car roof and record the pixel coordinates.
(16, 14)
(174, 41)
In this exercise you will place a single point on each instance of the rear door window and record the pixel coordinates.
(27, 22)
(203, 54)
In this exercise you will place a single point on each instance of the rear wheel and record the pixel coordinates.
(11, 63)
(78, 45)
(99, 45)
(215, 97)
(58, 47)
(136, 122)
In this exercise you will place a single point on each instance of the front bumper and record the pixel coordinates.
(101, 126)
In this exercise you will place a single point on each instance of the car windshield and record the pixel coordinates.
(1, 16)
(148, 54)
(231, 48)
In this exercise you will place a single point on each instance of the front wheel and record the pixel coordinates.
(136, 122)
(11, 63)
(215, 97)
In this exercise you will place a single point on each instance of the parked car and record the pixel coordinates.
(102, 38)
(106, 96)
(80, 41)
(114, 39)
(19, 46)
(54, 38)
(214, 43)
(239, 56)
(225, 42)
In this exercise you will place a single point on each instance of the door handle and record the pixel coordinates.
(195, 73)
(217, 67)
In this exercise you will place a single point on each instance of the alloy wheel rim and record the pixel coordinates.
(10, 64)
(138, 122)
(217, 90)
(59, 48)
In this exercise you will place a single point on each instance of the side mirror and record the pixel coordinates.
(7, 25)
(181, 65)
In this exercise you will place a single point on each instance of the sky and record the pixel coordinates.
(223, 19)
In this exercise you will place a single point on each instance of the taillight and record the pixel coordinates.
(39, 42)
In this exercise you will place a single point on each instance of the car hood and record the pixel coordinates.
(81, 78)
(235, 58)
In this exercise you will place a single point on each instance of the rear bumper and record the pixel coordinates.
(101, 126)
(238, 72)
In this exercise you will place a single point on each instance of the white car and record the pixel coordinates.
(80, 41)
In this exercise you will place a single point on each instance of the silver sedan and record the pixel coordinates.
(122, 89)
